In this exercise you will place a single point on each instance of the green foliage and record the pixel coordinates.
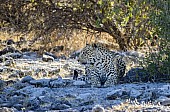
(157, 62)
(127, 21)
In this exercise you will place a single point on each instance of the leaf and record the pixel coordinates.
(104, 20)
(97, 23)
(32, 1)
(130, 15)
(100, 2)
(74, 9)
(126, 19)
(131, 9)
(112, 3)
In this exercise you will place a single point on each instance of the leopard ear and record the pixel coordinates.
(94, 45)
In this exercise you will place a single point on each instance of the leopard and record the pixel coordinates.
(102, 67)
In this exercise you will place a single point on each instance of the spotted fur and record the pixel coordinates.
(103, 67)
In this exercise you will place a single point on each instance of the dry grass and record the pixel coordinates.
(71, 41)
(135, 106)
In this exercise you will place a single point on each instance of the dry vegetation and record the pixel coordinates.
(135, 106)
(72, 41)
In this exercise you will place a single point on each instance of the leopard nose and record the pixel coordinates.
(78, 59)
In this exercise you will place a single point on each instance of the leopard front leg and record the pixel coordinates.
(92, 75)
(112, 76)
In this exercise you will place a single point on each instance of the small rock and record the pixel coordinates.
(164, 100)
(35, 92)
(113, 95)
(85, 99)
(59, 106)
(47, 58)
(52, 55)
(98, 108)
(14, 55)
(6, 104)
(70, 96)
(20, 85)
(79, 83)
(165, 90)
(14, 100)
(147, 96)
(5, 109)
(27, 79)
(29, 55)
(7, 50)
(85, 96)
(90, 102)
(32, 103)
(1, 101)
(46, 99)
(3, 97)
(57, 83)
(151, 109)
(41, 82)
(135, 93)
(85, 108)
(18, 106)
(9, 91)
(166, 103)
(166, 87)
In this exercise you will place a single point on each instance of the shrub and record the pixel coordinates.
(157, 62)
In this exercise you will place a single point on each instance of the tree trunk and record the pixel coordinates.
(121, 42)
